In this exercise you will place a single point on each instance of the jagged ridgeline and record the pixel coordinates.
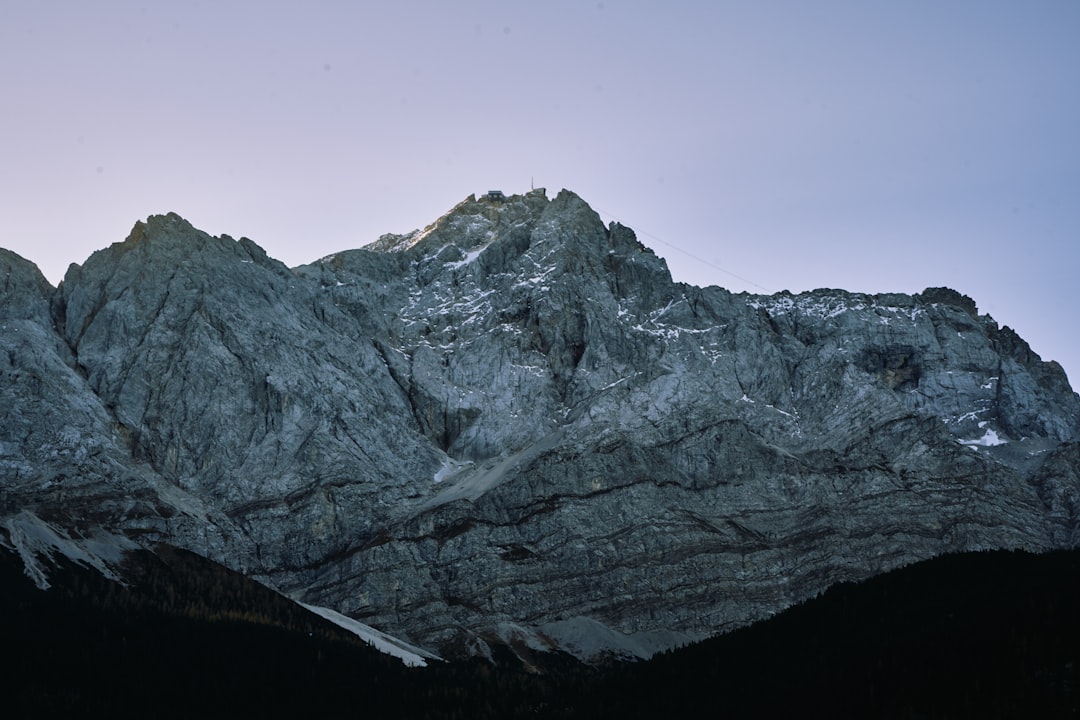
(513, 428)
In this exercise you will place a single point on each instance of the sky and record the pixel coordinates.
(759, 145)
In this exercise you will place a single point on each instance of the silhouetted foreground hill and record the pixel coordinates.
(190, 638)
(977, 635)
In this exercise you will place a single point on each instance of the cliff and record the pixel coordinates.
(514, 427)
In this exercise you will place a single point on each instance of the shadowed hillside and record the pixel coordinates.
(977, 635)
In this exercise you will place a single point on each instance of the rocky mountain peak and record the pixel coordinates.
(471, 222)
(24, 291)
(563, 232)
(948, 296)
(513, 426)
(157, 225)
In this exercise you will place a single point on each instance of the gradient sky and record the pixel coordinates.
(757, 145)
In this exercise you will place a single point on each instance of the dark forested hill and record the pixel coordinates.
(982, 635)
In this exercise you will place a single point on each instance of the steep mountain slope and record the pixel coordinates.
(514, 427)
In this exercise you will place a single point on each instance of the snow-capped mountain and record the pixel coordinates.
(513, 427)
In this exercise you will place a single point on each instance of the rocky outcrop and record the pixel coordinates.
(513, 426)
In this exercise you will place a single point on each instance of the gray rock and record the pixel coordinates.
(513, 426)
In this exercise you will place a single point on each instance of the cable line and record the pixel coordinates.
(687, 253)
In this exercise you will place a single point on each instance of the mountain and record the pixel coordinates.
(514, 429)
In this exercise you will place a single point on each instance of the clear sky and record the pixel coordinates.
(757, 144)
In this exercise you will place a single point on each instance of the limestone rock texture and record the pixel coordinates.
(514, 427)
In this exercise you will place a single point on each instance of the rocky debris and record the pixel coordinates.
(513, 426)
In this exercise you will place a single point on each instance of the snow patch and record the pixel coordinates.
(618, 382)
(36, 542)
(468, 259)
(410, 655)
(989, 439)
(471, 485)
(782, 412)
(971, 415)
(535, 370)
(449, 469)
(830, 307)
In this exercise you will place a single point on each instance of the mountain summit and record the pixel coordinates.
(513, 427)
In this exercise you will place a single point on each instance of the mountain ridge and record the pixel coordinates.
(513, 425)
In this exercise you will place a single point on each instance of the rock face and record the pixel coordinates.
(514, 427)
